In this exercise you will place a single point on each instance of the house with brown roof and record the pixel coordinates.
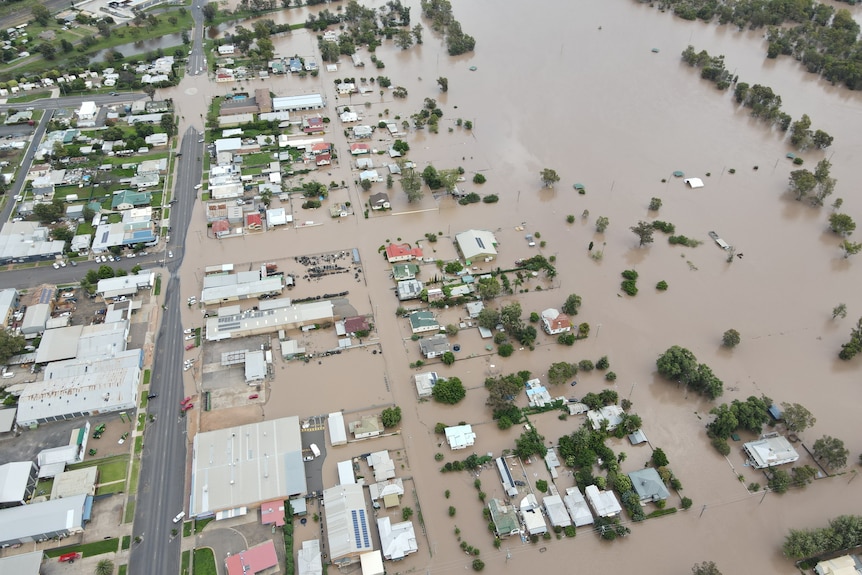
(379, 201)
(321, 148)
(323, 159)
(554, 322)
(402, 253)
(356, 324)
(220, 228)
(313, 125)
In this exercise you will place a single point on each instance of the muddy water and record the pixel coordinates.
(582, 93)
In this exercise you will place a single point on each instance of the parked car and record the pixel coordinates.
(179, 516)
(187, 331)
(170, 254)
(190, 346)
(253, 396)
(56, 266)
(152, 395)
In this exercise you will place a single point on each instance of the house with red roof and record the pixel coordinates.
(221, 228)
(554, 322)
(356, 324)
(320, 148)
(359, 148)
(402, 253)
(253, 221)
(313, 125)
(256, 560)
(323, 159)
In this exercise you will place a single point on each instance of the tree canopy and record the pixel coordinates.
(449, 390)
(549, 177)
(796, 417)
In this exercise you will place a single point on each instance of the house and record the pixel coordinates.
(770, 450)
(577, 507)
(257, 559)
(308, 560)
(422, 321)
(556, 511)
(323, 159)
(477, 244)
(531, 513)
(537, 394)
(401, 272)
(17, 483)
(844, 565)
(367, 426)
(554, 322)
(609, 415)
(425, 383)
(504, 517)
(320, 148)
(356, 324)
(434, 346)
(402, 253)
(359, 148)
(364, 163)
(389, 491)
(370, 175)
(435, 294)
(409, 289)
(295, 65)
(313, 125)
(88, 111)
(474, 308)
(379, 201)
(371, 563)
(398, 540)
(460, 436)
(129, 199)
(648, 484)
(362, 131)
(349, 117)
(382, 464)
(345, 88)
(604, 503)
(226, 49)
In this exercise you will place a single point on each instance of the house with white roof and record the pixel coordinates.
(604, 503)
(396, 541)
(577, 507)
(460, 436)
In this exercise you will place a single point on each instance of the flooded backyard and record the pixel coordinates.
(577, 88)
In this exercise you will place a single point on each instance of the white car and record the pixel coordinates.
(179, 516)
(62, 263)
(170, 254)
(189, 337)
(199, 186)
(187, 367)
(187, 331)
(56, 265)
(131, 255)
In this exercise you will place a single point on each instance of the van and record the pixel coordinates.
(314, 449)
(8, 375)
(179, 516)
(199, 186)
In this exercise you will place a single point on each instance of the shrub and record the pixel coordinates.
(471, 198)
(542, 485)
(659, 459)
(629, 287)
(585, 365)
(451, 511)
(720, 445)
(685, 241)
(730, 338)
(603, 363)
(685, 503)
(479, 179)
(566, 339)
(440, 428)
(500, 337)
(570, 219)
(505, 349)
(569, 530)
(654, 204)
(611, 376)
(311, 204)
(491, 199)
(478, 564)
(665, 227)
(438, 457)
(630, 275)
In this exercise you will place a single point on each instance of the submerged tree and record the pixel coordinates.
(549, 177)
(644, 231)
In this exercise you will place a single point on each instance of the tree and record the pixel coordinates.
(549, 177)
(502, 391)
(49, 212)
(561, 372)
(417, 33)
(449, 390)
(602, 224)
(401, 146)
(730, 338)
(841, 224)
(800, 134)
(822, 140)
(411, 184)
(854, 346)
(40, 14)
(831, 451)
(391, 416)
(489, 288)
(796, 417)
(443, 83)
(365, 185)
(572, 303)
(488, 318)
(104, 567)
(850, 248)
(654, 204)
(678, 364)
(210, 10)
(406, 513)
(839, 310)
(725, 422)
(404, 39)
(167, 123)
(643, 231)
(530, 443)
(802, 182)
(510, 317)
(705, 568)
(10, 345)
(448, 358)
(659, 459)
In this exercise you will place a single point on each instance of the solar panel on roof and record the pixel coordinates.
(481, 244)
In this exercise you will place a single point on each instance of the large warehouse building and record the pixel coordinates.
(243, 466)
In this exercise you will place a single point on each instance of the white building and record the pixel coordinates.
(554, 322)
(577, 507)
(771, 449)
(42, 521)
(604, 503)
(556, 511)
(347, 527)
(297, 103)
(460, 436)
(337, 431)
(409, 289)
(88, 111)
(531, 513)
(425, 383)
(126, 285)
(226, 49)
(308, 560)
(612, 414)
(477, 244)
(396, 541)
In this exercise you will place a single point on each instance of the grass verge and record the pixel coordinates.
(205, 562)
(127, 542)
(87, 549)
(147, 375)
(133, 480)
(156, 291)
(130, 512)
(184, 564)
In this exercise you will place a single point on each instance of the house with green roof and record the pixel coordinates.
(128, 199)
(422, 321)
(403, 272)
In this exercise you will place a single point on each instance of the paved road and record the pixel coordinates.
(18, 184)
(197, 60)
(162, 483)
(75, 101)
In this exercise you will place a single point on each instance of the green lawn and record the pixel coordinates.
(205, 197)
(147, 375)
(44, 486)
(139, 444)
(114, 218)
(110, 468)
(136, 472)
(157, 289)
(205, 562)
(87, 549)
(187, 528)
(127, 542)
(29, 97)
(112, 488)
(144, 400)
(142, 421)
(184, 565)
(122, 570)
(130, 512)
(201, 523)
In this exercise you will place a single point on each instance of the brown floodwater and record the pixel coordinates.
(575, 87)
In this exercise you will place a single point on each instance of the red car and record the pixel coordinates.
(69, 557)
(253, 396)
(186, 400)
(187, 406)
(190, 346)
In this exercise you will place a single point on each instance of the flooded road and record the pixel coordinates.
(577, 88)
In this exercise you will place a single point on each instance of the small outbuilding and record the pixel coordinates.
(694, 183)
